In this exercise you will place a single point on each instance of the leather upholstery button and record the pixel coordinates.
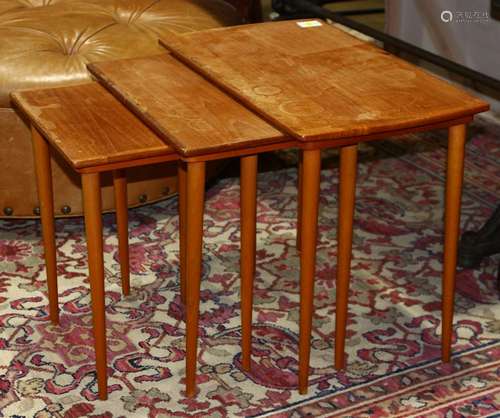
(66, 210)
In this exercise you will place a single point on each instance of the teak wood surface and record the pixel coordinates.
(318, 83)
(182, 107)
(89, 127)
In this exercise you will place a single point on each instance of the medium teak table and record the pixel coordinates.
(202, 124)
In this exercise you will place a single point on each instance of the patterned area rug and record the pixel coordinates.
(393, 341)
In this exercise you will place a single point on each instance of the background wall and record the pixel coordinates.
(473, 41)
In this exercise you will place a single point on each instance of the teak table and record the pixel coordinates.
(202, 124)
(94, 133)
(329, 89)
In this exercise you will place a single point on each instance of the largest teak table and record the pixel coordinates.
(329, 89)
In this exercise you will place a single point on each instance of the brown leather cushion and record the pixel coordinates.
(49, 42)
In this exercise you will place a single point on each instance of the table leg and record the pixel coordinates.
(347, 196)
(248, 207)
(195, 196)
(311, 167)
(46, 197)
(181, 190)
(120, 189)
(454, 178)
(93, 226)
(299, 198)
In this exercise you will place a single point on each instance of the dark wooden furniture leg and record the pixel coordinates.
(181, 190)
(120, 190)
(347, 196)
(46, 198)
(93, 225)
(248, 207)
(194, 233)
(476, 245)
(454, 178)
(498, 277)
(311, 167)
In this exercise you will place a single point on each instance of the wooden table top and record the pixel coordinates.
(189, 112)
(317, 82)
(88, 126)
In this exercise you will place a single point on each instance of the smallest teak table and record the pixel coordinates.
(94, 133)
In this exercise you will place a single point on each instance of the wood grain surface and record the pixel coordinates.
(88, 126)
(189, 112)
(318, 82)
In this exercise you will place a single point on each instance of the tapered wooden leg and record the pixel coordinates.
(311, 167)
(181, 190)
(93, 226)
(454, 178)
(347, 196)
(194, 231)
(120, 188)
(46, 198)
(248, 196)
(299, 199)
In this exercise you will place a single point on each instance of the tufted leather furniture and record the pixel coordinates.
(49, 42)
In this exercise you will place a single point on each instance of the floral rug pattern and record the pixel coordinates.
(393, 341)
